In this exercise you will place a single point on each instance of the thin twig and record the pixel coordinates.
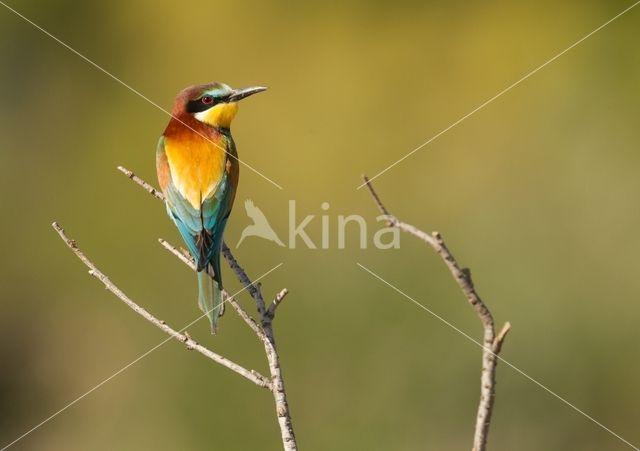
(279, 392)
(150, 189)
(253, 289)
(497, 342)
(277, 300)
(264, 331)
(242, 313)
(492, 342)
(190, 343)
(186, 259)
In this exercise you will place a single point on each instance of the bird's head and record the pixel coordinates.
(214, 104)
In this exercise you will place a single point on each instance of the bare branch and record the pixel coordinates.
(186, 259)
(254, 290)
(376, 199)
(251, 375)
(271, 311)
(497, 342)
(249, 320)
(492, 344)
(279, 392)
(150, 189)
(264, 333)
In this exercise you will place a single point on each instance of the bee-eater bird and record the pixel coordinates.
(198, 169)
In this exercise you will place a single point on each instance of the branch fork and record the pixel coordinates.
(264, 331)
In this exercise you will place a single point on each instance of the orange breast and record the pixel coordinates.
(196, 164)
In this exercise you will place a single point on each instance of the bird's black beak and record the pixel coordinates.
(240, 94)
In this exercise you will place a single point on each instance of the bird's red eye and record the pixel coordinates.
(207, 100)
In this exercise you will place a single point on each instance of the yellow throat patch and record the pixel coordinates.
(220, 115)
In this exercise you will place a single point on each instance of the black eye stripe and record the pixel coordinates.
(203, 103)
(198, 105)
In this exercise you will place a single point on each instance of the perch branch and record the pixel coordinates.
(254, 290)
(492, 342)
(248, 319)
(189, 342)
(148, 188)
(264, 330)
(279, 392)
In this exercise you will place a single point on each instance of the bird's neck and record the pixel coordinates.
(181, 125)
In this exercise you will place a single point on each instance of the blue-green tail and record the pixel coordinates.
(210, 298)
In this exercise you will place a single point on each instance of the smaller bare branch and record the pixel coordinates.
(497, 342)
(254, 289)
(277, 300)
(248, 319)
(376, 198)
(186, 259)
(150, 189)
(190, 343)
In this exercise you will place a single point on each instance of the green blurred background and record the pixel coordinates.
(537, 193)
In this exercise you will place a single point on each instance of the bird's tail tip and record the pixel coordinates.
(210, 299)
